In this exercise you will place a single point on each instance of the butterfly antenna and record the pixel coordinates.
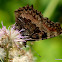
(36, 52)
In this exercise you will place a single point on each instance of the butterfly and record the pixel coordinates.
(35, 26)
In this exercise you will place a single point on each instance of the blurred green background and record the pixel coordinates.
(49, 49)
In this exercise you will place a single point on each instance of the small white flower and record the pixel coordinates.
(27, 57)
(10, 36)
(2, 53)
(14, 52)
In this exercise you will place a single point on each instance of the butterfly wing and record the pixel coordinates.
(35, 25)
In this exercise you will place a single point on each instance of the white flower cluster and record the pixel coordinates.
(9, 38)
(11, 46)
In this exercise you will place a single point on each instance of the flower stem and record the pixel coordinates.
(7, 55)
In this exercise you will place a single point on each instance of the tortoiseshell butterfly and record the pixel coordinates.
(36, 26)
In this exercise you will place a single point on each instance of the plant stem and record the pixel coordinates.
(7, 54)
(50, 8)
